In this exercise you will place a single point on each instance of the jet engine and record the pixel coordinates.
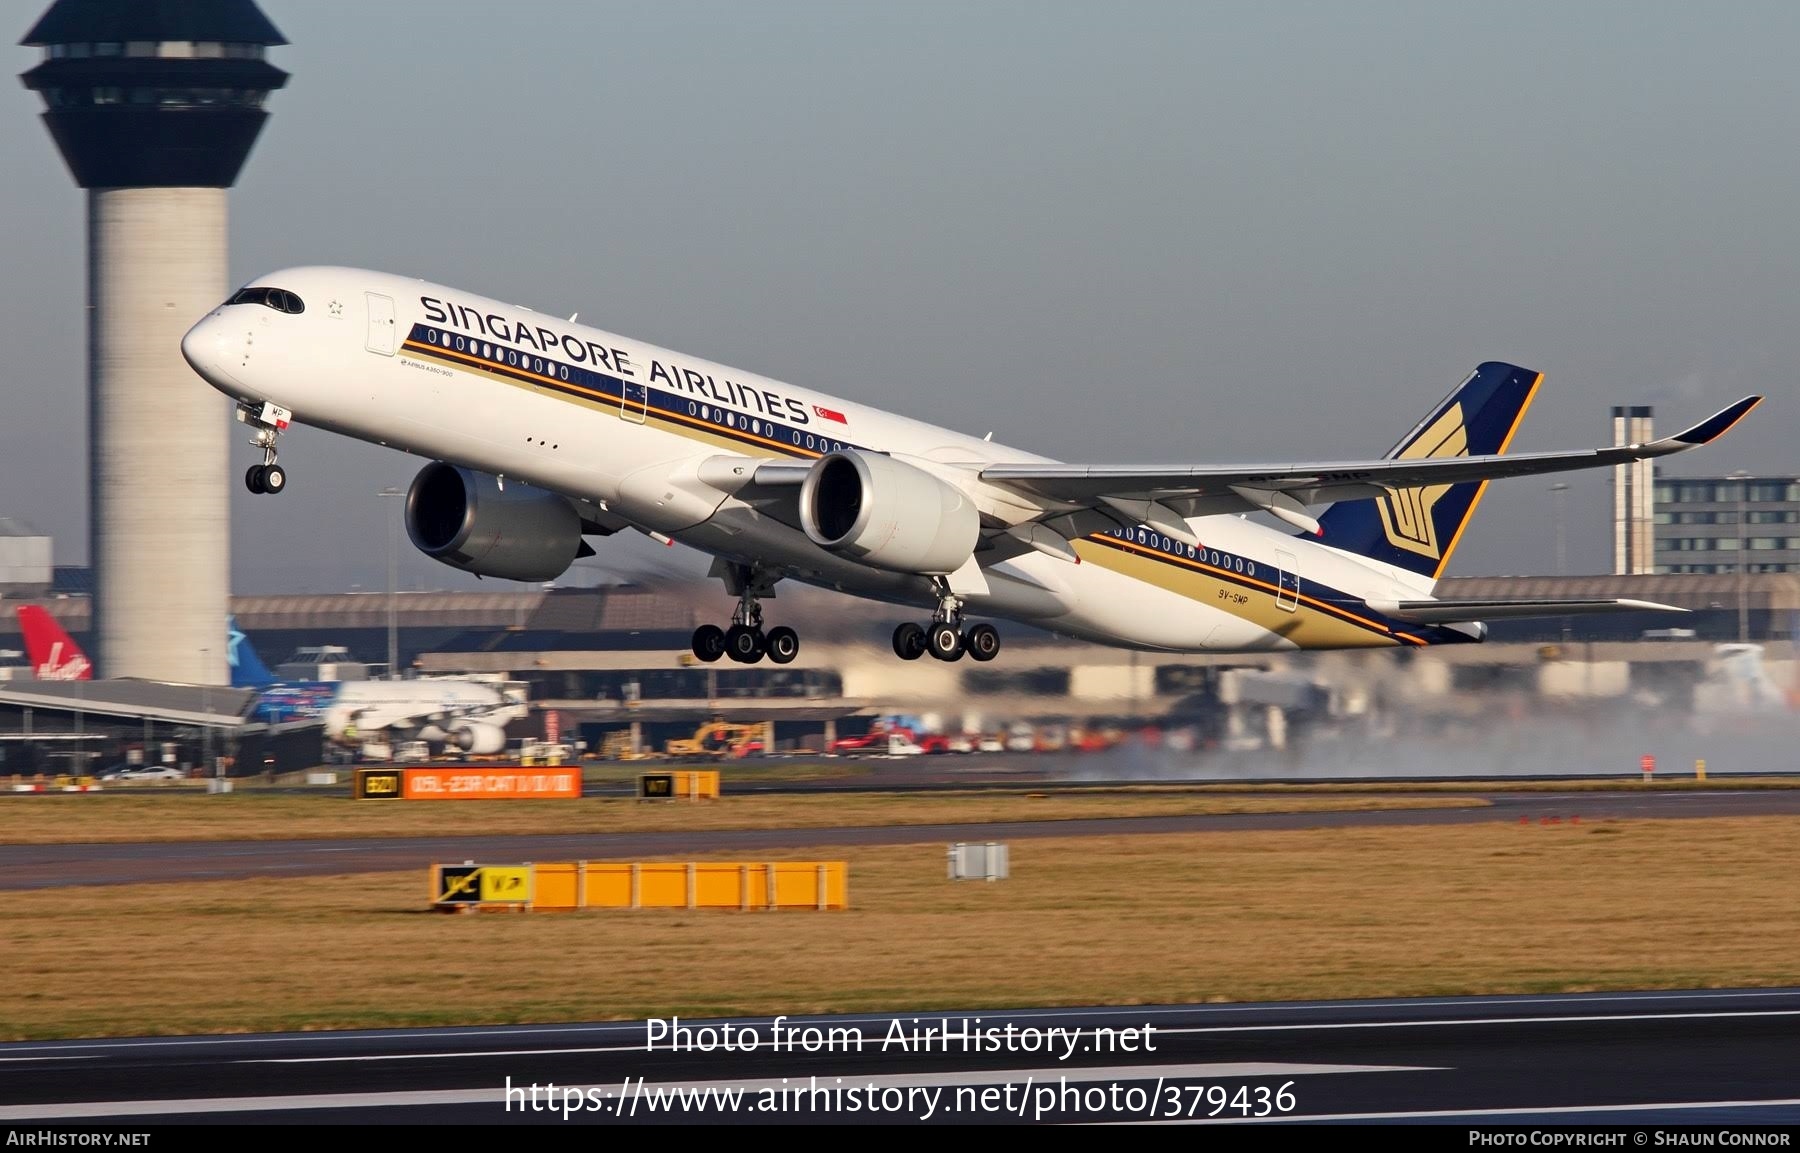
(468, 520)
(889, 514)
(477, 739)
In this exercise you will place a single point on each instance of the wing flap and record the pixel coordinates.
(1432, 612)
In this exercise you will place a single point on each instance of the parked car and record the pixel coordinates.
(877, 740)
(158, 773)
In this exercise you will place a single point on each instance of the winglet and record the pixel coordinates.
(1718, 424)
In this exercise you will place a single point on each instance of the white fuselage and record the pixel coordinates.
(451, 376)
(355, 711)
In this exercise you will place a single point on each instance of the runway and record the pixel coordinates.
(1709, 1057)
(65, 865)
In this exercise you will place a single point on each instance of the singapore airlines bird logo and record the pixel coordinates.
(1406, 513)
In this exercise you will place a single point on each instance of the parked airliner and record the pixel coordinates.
(542, 432)
(462, 713)
(445, 712)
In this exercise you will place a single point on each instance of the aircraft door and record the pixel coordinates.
(1287, 582)
(634, 401)
(381, 324)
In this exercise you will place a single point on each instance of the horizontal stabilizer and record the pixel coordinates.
(1432, 612)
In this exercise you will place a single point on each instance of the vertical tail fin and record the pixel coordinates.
(53, 654)
(1417, 529)
(247, 669)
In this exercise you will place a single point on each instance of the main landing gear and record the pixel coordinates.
(945, 638)
(745, 642)
(269, 421)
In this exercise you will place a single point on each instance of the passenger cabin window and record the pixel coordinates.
(279, 299)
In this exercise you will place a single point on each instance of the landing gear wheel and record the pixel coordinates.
(267, 419)
(945, 641)
(709, 643)
(909, 642)
(783, 644)
(744, 644)
(983, 642)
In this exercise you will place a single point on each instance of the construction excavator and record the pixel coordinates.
(720, 739)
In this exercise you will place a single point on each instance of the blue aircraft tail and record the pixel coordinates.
(1418, 528)
(247, 669)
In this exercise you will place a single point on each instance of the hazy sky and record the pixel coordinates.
(1112, 232)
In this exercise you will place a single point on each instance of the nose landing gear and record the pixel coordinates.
(269, 421)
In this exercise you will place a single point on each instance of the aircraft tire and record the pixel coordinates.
(253, 478)
(274, 478)
(945, 641)
(909, 641)
(983, 642)
(783, 644)
(743, 644)
(709, 643)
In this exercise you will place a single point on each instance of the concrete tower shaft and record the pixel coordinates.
(1634, 486)
(155, 105)
(158, 437)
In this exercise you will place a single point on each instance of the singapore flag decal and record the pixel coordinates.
(824, 413)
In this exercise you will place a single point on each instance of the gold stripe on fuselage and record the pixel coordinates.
(1311, 624)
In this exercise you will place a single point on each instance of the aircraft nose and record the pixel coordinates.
(206, 348)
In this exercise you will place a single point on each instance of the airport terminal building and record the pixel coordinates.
(1728, 524)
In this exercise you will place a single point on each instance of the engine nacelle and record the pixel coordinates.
(477, 739)
(467, 520)
(889, 514)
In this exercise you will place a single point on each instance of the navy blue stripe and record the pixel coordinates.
(752, 430)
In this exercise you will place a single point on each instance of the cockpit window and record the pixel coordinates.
(279, 299)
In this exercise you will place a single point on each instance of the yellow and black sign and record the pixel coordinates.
(483, 885)
(656, 785)
(379, 784)
(506, 884)
(458, 885)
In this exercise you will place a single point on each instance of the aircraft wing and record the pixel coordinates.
(1062, 502)
(1435, 612)
(1286, 489)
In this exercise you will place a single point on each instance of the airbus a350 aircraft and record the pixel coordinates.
(543, 431)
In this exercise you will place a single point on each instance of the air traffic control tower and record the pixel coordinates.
(155, 104)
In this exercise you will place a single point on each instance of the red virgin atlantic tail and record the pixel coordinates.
(53, 655)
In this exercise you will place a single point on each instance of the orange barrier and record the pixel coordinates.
(643, 885)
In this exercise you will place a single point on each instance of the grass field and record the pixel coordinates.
(182, 815)
(1255, 915)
